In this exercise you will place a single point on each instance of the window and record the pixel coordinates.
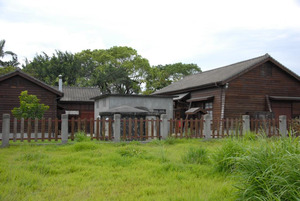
(209, 108)
(208, 105)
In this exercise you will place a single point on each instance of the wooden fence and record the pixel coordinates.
(144, 129)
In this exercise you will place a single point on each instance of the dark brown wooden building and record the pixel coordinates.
(74, 101)
(259, 87)
(77, 102)
(12, 84)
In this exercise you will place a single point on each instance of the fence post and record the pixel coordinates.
(282, 125)
(117, 127)
(207, 126)
(246, 124)
(164, 126)
(64, 128)
(5, 130)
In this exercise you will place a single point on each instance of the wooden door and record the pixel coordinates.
(282, 108)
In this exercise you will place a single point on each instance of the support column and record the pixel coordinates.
(5, 130)
(207, 126)
(117, 127)
(164, 126)
(282, 125)
(246, 124)
(149, 118)
(64, 128)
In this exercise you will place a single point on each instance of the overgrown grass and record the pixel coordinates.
(267, 169)
(251, 168)
(92, 170)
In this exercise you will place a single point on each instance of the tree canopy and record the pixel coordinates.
(163, 75)
(14, 62)
(47, 69)
(29, 107)
(116, 70)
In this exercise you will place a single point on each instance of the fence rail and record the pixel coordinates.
(143, 129)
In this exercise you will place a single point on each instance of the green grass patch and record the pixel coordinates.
(187, 169)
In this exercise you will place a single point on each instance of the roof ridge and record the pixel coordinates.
(244, 61)
(221, 67)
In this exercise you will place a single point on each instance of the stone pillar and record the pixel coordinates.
(117, 127)
(64, 128)
(5, 130)
(246, 124)
(149, 118)
(282, 125)
(164, 126)
(207, 126)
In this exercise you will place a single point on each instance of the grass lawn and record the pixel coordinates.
(160, 170)
(109, 171)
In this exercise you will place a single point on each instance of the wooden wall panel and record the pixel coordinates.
(247, 93)
(11, 88)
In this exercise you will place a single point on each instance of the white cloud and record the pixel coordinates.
(162, 31)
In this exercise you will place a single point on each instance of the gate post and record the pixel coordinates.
(282, 125)
(246, 124)
(117, 127)
(64, 128)
(207, 126)
(5, 130)
(164, 126)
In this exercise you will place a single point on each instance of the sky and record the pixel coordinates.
(209, 33)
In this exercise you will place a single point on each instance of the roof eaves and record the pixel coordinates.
(189, 89)
(32, 79)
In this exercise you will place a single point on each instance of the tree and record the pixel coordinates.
(115, 70)
(161, 76)
(7, 69)
(14, 62)
(29, 107)
(47, 69)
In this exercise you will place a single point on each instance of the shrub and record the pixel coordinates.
(81, 137)
(195, 156)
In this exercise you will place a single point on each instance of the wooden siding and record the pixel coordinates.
(217, 101)
(247, 93)
(11, 88)
(86, 109)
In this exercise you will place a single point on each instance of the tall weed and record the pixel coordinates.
(270, 171)
(226, 157)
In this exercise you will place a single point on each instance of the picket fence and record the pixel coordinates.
(128, 129)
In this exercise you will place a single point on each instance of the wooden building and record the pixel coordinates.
(74, 101)
(77, 102)
(260, 87)
(12, 84)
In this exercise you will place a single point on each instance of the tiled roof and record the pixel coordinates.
(79, 93)
(218, 75)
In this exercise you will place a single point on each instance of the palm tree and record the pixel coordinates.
(3, 53)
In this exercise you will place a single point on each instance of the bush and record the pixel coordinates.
(196, 156)
(81, 137)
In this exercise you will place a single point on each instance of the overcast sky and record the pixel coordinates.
(210, 33)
